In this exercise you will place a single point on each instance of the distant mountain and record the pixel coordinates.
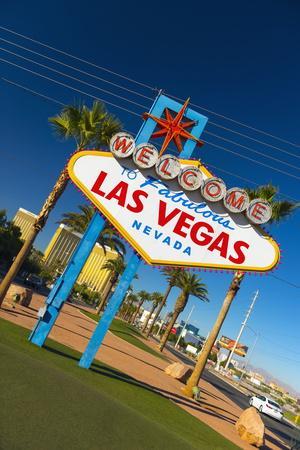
(268, 377)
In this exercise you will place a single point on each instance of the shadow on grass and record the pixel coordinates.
(109, 372)
(204, 406)
(128, 354)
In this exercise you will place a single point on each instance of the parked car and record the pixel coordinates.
(266, 406)
(34, 281)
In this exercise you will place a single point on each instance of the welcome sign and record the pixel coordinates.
(167, 225)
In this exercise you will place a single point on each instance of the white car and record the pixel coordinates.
(266, 406)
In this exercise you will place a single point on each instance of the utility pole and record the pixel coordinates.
(242, 329)
(184, 327)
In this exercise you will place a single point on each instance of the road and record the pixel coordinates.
(283, 430)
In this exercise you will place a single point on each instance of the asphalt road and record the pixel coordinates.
(283, 430)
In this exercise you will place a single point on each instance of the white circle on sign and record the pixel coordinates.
(122, 144)
(145, 155)
(213, 189)
(190, 178)
(259, 211)
(167, 167)
(236, 200)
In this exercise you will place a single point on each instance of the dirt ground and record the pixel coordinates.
(74, 329)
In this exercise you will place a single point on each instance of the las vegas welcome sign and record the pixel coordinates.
(160, 207)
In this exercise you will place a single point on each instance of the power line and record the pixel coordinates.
(106, 91)
(253, 139)
(145, 85)
(78, 59)
(250, 149)
(280, 345)
(76, 69)
(69, 87)
(46, 97)
(238, 123)
(136, 114)
(251, 159)
(135, 103)
(146, 97)
(285, 281)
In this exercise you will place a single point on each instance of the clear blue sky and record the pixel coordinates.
(237, 59)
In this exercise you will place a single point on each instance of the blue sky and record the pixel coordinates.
(239, 60)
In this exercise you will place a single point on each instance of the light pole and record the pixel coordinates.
(242, 329)
(184, 327)
(250, 354)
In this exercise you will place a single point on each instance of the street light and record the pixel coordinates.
(250, 353)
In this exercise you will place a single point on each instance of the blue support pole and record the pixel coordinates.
(109, 313)
(65, 282)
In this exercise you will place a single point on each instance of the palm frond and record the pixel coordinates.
(281, 209)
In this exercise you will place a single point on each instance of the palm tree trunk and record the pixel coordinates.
(167, 332)
(200, 365)
(101, 305)
(127, 309)
(38, 225)
(136, 312)
(162, 304)
(148, 318)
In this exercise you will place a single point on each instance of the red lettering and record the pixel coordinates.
(182, 223)
(220, 244)
(144, 155)
(258, 211)
(98, 183)
(209, 189)
(206, 238)
(122, 144)
(235, 202)
(164, 218)
(138, 202)
(186, 176)
(240, 258)
(119, 193)
(164, 167)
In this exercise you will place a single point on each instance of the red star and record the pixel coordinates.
(173, 128)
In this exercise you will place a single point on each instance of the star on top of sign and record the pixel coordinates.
(173, 128)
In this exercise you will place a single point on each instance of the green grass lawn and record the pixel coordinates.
(290, 416)
(129, 333)
(48, 402)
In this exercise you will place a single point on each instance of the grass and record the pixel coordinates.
(290, 416)
(129, 333)
(48, 402)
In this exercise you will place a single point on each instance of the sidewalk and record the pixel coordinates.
(74, 329)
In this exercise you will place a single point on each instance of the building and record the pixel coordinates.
(257, 376)
(189, 327)
(145, 316)
(61, 248)
(24, 220)
(276, 388)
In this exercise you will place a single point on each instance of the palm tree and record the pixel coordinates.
(130, 299)
(78, 222)
(143, 297)
(280, 210)
(116, 268)
(88, 127)
(171, 276)
(190, 284)
(156, 298)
